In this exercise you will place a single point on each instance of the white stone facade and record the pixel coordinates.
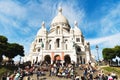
(61, 42)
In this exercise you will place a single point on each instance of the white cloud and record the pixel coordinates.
(107, 24)
(111, 21)
(104, 42)
(10, 8)
(108, 41)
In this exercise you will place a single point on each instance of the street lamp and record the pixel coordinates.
(97, 51)
(20, 61)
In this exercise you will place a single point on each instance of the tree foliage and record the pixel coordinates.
(117, 50)
(3, 39)
(10, 50)
(3, 45)
(110, 53)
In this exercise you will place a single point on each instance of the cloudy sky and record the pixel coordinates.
(99, 20)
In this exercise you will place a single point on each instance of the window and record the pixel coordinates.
(50, 46)
(58, 43)
(38, 50)
(77, 39)
(66, 46)
(40, 40)
(58, 30)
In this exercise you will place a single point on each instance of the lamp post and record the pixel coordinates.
(20, 61)
(97, 51)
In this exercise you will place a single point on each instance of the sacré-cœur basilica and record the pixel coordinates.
(62, 42)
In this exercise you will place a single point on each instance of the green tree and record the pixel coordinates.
(108, 54)
(10, 50)
(14, 49)
(117, 50)
(3, 45)
(3, 39)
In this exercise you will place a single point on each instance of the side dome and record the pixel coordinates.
(77, 31)
(59, 18)
(42, 30)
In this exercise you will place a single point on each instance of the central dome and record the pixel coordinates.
(59, 18)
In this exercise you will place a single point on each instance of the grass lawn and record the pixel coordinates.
(108, 69)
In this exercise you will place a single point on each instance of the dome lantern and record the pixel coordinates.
(43, 24)
(75, 24)
(59, 18)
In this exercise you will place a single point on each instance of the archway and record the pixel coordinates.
(57, 57)
(67, 59)
(47, 58)
(78, 49)
(84, 60)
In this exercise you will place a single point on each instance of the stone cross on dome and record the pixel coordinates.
(60, 10)
(43, 24)
(75, 24)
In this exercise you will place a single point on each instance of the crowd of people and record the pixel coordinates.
(57, 69)
(92, 73)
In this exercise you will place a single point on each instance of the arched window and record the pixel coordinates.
(47, 59)
(58, 43)
(77, 39)
(67, 59)
(40, 40)
(38, 50)
(66, 46)
(50, 46)
(58, 30)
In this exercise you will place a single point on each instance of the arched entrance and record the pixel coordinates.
(67, 59)
(84, 60)
(47, 58)
(57, 57)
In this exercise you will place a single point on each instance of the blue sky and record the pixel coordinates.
(99, 20)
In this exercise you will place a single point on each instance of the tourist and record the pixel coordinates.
(52, 71)
(110, 77)
(100, 76)
(17, 76)
(85, 73)
(104, 77)
(82, 78)
(114, 76)
(90, 76)
(4, 77)
(77, 77)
